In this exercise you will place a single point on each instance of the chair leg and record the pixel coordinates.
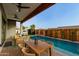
(19, 52)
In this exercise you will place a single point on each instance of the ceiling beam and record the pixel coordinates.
(39, 9)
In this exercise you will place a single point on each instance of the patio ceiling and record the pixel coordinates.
(10, 10)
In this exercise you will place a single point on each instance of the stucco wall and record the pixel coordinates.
(11, 29)
(0, 25)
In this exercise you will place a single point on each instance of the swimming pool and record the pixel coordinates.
(71, 48)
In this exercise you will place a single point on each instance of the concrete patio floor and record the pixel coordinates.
(14, 51)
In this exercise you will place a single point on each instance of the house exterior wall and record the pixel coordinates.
(0, 26)
(11, 29)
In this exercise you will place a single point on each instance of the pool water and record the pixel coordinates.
(70, 48)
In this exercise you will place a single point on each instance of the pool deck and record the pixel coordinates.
(14, 51)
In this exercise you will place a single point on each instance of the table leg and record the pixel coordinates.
(36, 54)
(50, 52)
(36, 42)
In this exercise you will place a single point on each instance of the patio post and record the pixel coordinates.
(20, 28)
(0, 26)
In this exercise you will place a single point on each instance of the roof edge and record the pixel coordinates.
(39, 9)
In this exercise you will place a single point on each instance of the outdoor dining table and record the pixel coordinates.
(40, 47)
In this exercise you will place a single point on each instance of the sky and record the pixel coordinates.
(58, 15)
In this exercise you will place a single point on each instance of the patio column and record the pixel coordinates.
(0, 26)
(20, 28)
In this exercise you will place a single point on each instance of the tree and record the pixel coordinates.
(26, 27)
(23, 27)
(32, 26)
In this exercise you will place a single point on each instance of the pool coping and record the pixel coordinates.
(58, 39)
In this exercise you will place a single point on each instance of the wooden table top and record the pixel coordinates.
(41, 47)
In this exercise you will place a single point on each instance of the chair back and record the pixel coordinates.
(21, 46)
(26, 38)
(26, 52)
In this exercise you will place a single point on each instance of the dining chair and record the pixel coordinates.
(26, 38)
(19, 41)
(27, 52)
(20, 46)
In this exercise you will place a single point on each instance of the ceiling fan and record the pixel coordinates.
(19, 6)
(15, 16)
